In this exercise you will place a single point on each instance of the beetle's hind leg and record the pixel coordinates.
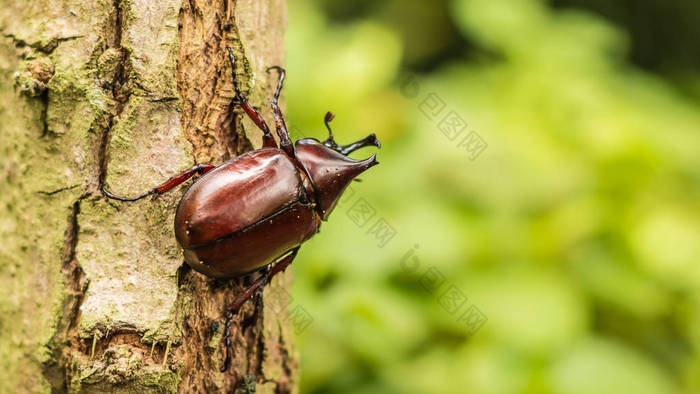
(268, 140)
(281, 265)
(200, 169)
(370, 140)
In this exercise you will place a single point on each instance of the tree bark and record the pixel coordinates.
(95, 296)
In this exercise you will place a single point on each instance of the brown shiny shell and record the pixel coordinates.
(244, 214)
(330, 171)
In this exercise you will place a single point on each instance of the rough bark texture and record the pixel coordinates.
(95, 296)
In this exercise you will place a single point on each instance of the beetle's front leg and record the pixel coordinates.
(268, 140)
(246, 294)
(285, 142)
(200, 169)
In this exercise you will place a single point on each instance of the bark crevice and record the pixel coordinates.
(57, 371)
(65, 342)
(44, 47)
(120, 92)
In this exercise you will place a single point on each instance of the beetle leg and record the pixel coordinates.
(167, 185)
(268, 140)
(277, 268)
(285, 142)
(282, 264)
(266, 269)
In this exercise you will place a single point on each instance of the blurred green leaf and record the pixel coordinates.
(575, 232)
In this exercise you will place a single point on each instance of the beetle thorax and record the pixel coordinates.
(329, 171)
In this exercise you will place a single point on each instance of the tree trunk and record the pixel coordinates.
(95, 296)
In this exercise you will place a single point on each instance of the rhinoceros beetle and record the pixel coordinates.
(253, 212)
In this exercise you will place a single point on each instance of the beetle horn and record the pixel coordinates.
(370, 140)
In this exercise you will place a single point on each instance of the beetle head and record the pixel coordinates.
(330, 171)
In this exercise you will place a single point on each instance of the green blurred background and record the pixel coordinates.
(562, 257)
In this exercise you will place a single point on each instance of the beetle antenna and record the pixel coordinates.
(330, 141)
